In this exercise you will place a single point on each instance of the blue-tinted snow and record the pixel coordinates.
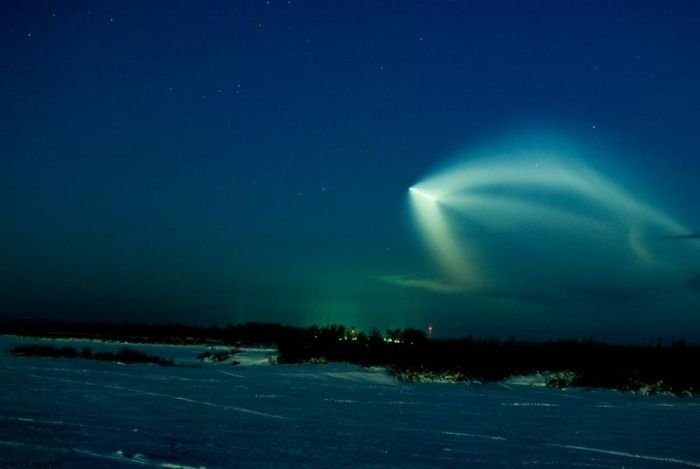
(85, 413)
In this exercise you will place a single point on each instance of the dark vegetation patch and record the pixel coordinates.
(411, 356)
(125, 355)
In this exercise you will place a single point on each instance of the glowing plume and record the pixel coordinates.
(513, 193)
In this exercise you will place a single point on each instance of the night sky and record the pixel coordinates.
(218, 162)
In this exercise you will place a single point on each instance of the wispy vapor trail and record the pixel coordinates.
(422, 284)
(547, 194)
(681, 236)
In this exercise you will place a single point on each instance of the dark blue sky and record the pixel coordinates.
(229, 161)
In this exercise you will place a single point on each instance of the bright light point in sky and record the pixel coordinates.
(423, 193)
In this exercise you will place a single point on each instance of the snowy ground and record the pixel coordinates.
(68, 413)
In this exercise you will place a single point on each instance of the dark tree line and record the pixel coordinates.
(674, 367)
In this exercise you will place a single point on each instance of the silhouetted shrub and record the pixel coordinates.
(125, 355)
(43, 351)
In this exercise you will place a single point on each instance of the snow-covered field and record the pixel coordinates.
(73, 412)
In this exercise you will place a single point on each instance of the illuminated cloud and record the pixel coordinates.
(431, 221)
(549, 201)
(430, 285)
